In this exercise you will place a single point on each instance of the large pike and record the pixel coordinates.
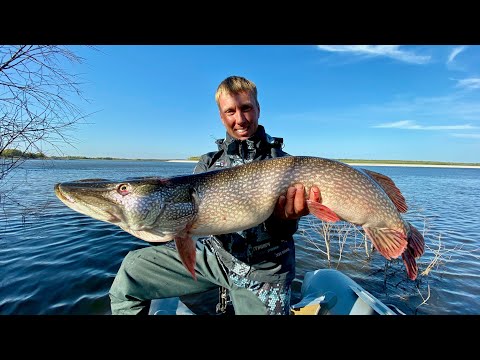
(223, 201)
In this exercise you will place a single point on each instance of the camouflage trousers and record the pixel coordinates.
(156, 272)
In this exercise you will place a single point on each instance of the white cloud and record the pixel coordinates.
(469, 136)
(471, 83)
(454, 53)
(461, 106)
(392, 51)
(411, 125)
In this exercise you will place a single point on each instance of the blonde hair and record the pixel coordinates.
(235, 85)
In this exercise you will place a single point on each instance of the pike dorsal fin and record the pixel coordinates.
(390, 188)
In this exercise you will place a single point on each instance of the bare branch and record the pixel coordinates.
(37, 92)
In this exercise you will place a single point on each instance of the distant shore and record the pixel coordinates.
(353, 162)
(359, 163)
(416, 165)
(183, 161)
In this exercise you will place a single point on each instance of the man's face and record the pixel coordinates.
(239, 114)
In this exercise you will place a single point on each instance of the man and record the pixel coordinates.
(256, 265)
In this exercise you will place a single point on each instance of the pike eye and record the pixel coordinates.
(123, 189)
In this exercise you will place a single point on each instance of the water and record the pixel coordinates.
(56, 261)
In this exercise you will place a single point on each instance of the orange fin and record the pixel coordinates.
(410, 264)
(389, 242)
(415, 249)
(416, 242)
(390, 188)
(186, 251)
(322, 212)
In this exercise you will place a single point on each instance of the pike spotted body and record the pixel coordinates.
(223, 201)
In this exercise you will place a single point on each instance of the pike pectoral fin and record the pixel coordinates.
(322, 212)
(186, 250)
(389, 242)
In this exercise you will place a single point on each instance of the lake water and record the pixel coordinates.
(56, 261)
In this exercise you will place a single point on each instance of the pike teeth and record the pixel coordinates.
(69, 198)
(113, 218)
(64, 196)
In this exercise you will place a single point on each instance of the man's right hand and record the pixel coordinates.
(293, 205)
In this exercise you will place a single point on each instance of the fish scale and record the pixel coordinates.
(227, 200)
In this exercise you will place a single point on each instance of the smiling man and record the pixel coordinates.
(239, 108)
(253, 268)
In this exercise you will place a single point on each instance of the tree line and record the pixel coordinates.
(14, 153)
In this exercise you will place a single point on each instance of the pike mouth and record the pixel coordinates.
(62, 196)
(96, 213)
(114, 219)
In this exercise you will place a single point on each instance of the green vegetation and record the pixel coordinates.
(71, 157)
(9, 153)
(14, 153)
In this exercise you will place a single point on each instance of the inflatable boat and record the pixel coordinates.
(323, 292)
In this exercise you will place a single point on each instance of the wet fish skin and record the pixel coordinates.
(228, 200)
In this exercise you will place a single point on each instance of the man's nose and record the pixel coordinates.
(240, 117)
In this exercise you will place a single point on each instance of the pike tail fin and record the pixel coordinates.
(186, 251)
(415, 249)
(392, 243)
(416, 242)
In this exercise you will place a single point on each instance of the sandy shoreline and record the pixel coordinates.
(378, 164)
(417, 165)
(182, 161)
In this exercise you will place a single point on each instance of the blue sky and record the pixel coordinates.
(358, 102)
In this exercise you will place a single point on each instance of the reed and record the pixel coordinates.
(346, 244)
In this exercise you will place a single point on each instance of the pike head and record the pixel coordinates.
(150, 208)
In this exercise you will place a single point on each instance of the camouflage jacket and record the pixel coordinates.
(265, 252)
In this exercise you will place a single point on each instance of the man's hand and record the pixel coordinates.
(293, 205)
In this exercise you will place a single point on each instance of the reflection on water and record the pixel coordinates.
(56, 261)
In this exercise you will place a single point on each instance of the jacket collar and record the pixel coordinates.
(259, 140)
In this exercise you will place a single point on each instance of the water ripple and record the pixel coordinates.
(56, 261)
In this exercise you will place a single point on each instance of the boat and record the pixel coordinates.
(323, 292)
